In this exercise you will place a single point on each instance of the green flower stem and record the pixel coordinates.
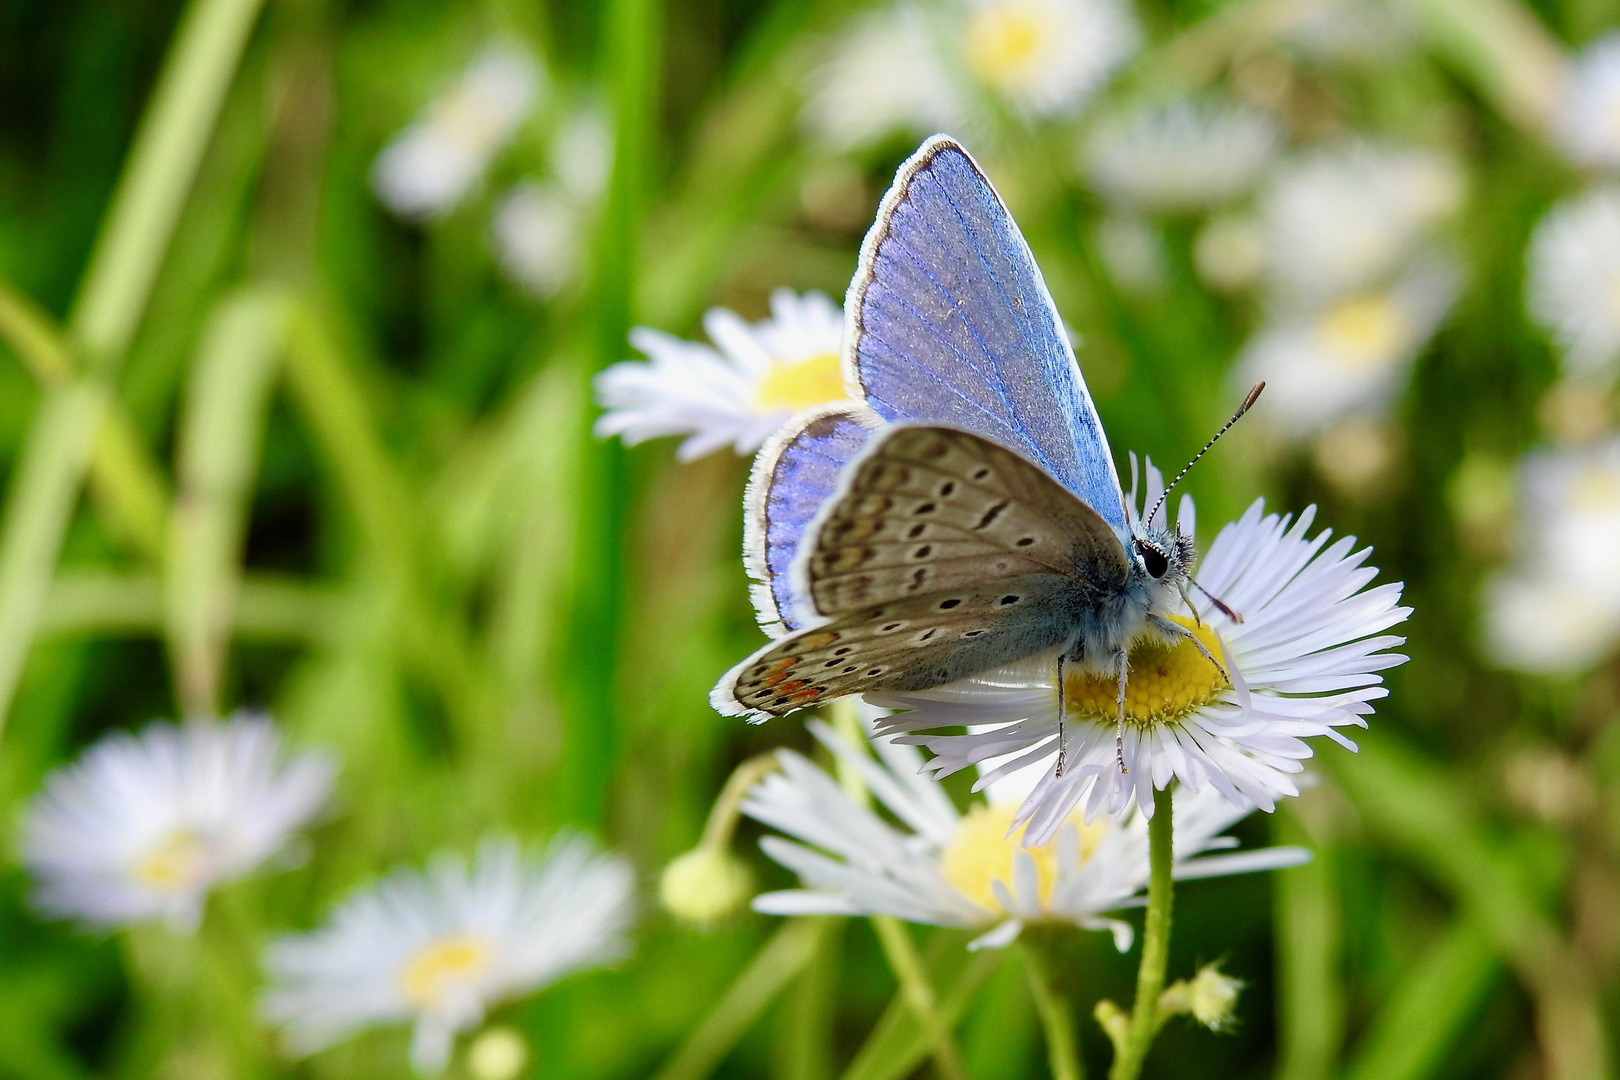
(1057, 1019)
(901, 952)
(1145, 1018)
(723, 816)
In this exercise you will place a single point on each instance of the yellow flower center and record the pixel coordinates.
(1003, 40)
(1595, 491)
(799, 384)
(443, 966)
(177, 863)
(1166, 682)
(1365, 331)
(982, 852)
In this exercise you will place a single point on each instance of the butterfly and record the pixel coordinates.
(969, 513)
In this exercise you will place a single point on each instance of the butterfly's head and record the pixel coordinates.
(1162, 560)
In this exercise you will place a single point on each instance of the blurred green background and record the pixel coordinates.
(498, 622)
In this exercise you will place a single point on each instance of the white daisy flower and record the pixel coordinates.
(1342, 220)
(1350, 356)
(921, 69)
(539, 229)
(1303, 661)
(438, 947)
(946, 868)
(430, 165)
(1047, 57)
(1574, 279)
(887, 73)
(1547, 624)
(737, 391)
(142, 827)
(1557, 608)
(1587, 121)
(538, 232)
(1189, 154)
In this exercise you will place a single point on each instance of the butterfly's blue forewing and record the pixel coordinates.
(950, 322)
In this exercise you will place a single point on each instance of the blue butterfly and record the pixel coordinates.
(969, 514)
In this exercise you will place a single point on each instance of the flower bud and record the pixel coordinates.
(498, 1053)
(1212, 997)
(705, 884)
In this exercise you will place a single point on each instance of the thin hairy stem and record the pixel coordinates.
(1145, 1017)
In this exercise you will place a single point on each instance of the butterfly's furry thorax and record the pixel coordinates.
(1159, 562)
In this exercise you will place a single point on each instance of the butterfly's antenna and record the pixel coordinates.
(1218, 602)
(1248, 403)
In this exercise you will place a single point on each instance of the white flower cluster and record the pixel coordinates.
(1573, 280)
(538, 227)
(437, 948)
(432, 165)
(920, 67)
(144, 827)
(1190, 154)
(1557, 607)
(1355, 282)
(970, 870)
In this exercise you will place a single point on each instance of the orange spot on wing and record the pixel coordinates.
(821, 640)
(778, 671)
(806, 694)
(790, 687)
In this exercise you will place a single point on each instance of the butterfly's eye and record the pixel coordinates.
(1156, 561)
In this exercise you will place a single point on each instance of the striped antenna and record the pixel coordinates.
(1248, 403)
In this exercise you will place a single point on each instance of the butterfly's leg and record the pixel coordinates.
(1176, 629)
(1063, 710)
(1122, 661)
(1185, 599)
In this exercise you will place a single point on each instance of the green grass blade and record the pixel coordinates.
(125, 478)
(1432, 820)
(1429, 1011)
(776, 964)
(162, 163)
(43, 493)
(898, 1044)
(1310, 991)
(269, 608)
(221, 429)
